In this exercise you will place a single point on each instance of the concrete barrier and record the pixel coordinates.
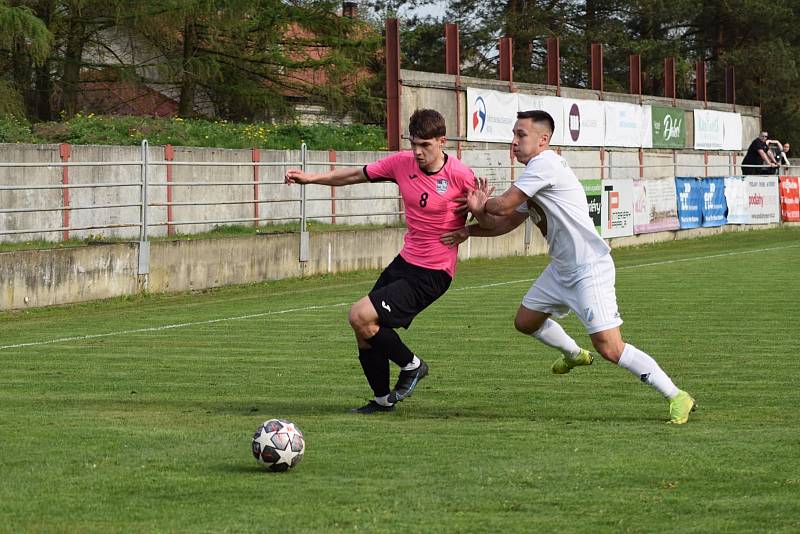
(36, 278)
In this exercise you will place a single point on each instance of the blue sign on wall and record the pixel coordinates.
(690, 202)
(715, 207)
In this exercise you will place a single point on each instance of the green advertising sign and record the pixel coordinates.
(594, 192)
(669, 130)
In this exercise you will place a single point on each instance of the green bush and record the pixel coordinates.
(14, 130)
(107, 130)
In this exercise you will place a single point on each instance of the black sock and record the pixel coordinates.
(376, 369)
(387, 342)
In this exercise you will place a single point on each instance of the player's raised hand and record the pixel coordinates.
(454, 238)
(477, 198)
(296, 176)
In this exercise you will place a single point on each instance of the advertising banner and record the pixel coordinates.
(669, 130)
(655, 206)
(690, 199)
(763, 203)
(594, 195)
(708, 131)
(616, 209)
(490, 115)
(584, 122)
(551, 104)
(731, 131)
(714, 205)
(736, 198)
(624, 124)
(790, 199)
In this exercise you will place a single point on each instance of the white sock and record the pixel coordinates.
(552, 335)
(647, 370)
(383, 401)
(413, 365)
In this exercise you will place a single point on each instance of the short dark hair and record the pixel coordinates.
(538, 115)
(426, 124)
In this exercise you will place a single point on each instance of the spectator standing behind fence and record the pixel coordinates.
(430, 183)
(784, 159)
(758, 154)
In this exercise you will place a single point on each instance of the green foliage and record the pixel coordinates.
(146, 428)
(106, 130)
(14, 130)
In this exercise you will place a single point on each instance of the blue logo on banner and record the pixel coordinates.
(690, 202)
(715, 207)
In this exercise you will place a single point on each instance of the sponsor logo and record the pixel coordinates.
(672, 128)
(756, 200)
(644, 377)
(574, 122)
(479, 115)
(386, 306)
(441, 186)
(412, 176)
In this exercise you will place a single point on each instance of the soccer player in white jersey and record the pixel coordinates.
(580, 276)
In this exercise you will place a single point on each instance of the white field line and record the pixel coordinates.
(340, 304)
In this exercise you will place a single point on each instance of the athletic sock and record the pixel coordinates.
(376, 369)
(553, 335)
(647, 370)
(387, 342)
(413, 365)
(383, 401)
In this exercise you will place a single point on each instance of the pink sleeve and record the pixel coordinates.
(383, 169)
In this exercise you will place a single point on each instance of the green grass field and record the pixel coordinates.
(136, 414)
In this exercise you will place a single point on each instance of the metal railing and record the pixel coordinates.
(139, 206)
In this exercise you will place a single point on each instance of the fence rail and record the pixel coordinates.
(200, 200)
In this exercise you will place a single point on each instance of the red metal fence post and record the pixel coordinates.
(392, 84)
(332, 159)
(730, 86)
(554, 63)
(169, 155)
(597, 68)
(635, 75)
(701, 86)
(65, 151)
(452, 52)
(256, 157)
(669, 79)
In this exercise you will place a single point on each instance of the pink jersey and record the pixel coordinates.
(428, 200)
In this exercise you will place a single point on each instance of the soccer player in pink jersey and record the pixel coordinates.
(430, 182)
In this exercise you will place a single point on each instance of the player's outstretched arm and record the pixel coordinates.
(340, 176)
(503, 225)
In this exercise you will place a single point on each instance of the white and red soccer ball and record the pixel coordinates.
(278, 445)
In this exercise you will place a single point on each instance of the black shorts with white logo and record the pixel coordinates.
(403, 290)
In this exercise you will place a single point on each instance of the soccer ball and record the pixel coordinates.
(278, 444)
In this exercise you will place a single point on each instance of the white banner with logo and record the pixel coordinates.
(616, 209)
(731, 131)
(551, 104)
(584, 122)
(736, 198)
(708, 129)
(647, 132)
(655, 205)
(763, 199)
(490, 115)
(625, 124)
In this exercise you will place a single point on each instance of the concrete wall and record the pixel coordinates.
(38, 278)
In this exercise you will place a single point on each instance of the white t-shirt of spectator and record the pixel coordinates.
(557, 204)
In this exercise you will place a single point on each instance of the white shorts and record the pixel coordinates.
(589, 293)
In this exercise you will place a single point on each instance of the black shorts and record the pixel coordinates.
(403, 290)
